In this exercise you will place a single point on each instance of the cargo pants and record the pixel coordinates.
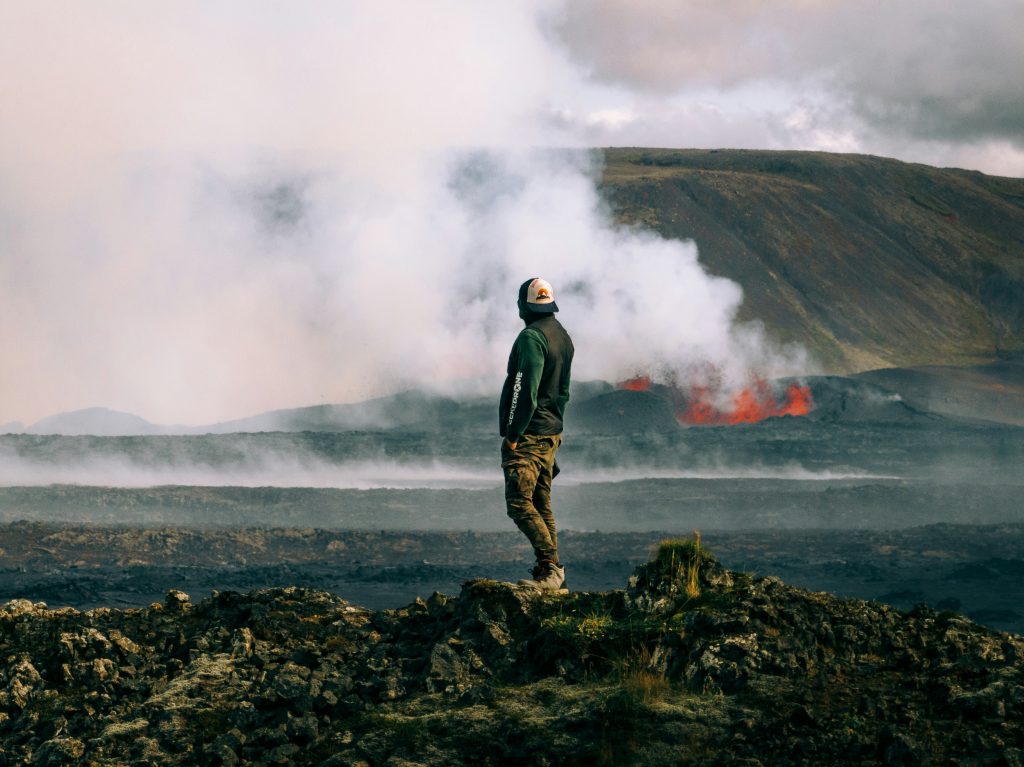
(528, 472)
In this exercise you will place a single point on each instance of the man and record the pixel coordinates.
(530, 412)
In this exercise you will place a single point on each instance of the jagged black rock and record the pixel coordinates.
(749, 671)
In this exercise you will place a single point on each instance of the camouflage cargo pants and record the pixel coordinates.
(528, 471)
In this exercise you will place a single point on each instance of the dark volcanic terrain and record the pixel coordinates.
(976, 570)
(690, 664)
(867, 495)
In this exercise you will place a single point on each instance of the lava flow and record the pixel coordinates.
(753, 404)
(640, 383)
(698, 405)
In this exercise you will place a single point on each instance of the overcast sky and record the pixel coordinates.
(210, 208)
(933, 81)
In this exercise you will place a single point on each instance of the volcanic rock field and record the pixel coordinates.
(689, 663)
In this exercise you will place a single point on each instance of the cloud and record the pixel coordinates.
(209, 209)
(921, 70)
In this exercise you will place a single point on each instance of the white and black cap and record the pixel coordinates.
(538, 296)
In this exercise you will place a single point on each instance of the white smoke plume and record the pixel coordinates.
(208, 210)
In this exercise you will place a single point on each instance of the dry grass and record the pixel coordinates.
(642, 675)
(679, 560)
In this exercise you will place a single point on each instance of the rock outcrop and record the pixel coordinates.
(690, 663)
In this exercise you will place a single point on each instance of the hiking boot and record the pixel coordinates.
(547, 576)
(535, 575)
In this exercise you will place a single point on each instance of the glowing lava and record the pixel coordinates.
(753, 404)
(638, 383)
(700, 405)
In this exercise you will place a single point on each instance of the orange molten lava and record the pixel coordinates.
(798, 401)
(700, 405)
(699, 410)
(637, 383)
(753, 404)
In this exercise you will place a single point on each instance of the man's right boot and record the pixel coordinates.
(547, 576)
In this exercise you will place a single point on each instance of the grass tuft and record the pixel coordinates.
(642, 675)
(678, 560)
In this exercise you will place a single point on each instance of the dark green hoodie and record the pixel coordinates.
(537, 387)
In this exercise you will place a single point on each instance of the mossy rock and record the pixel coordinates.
(681, 573)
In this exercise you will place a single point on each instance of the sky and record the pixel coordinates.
(211, 209)
(931, 81)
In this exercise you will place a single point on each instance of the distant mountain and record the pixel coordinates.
(868, 262)
(98, 421)
(415, 411)
(992, 392)
(412, 410)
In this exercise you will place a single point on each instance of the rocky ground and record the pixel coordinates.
(975, 570)
(690, 663)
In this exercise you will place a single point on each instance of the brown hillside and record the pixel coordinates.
(869, 262)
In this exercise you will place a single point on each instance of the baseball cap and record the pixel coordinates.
(538, 296)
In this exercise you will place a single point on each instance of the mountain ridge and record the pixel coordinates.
(993, 392)
(866, 261)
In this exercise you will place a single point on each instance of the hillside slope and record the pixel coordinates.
(869, 262)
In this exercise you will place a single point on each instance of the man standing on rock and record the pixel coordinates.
(532, 403)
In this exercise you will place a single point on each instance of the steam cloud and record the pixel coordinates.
(211, 210)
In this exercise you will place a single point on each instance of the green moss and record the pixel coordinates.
(591, 627)
(599, 722)
(403, 733)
